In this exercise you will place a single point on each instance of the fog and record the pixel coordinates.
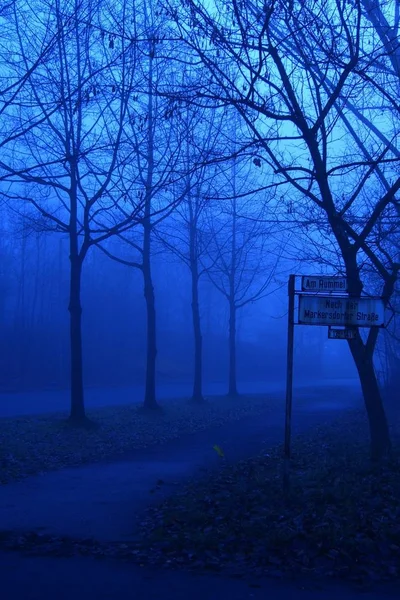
(168, 173)
(35, 326)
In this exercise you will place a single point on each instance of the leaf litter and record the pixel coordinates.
(341, 518)
(36, 444)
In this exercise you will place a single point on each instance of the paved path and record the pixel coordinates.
(89, 579)
(26, 403)
(104, 501)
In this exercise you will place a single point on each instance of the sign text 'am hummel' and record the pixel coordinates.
(323, 284)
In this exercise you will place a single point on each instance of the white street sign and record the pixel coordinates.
(335, 310)
(323, 283)
(341, 334)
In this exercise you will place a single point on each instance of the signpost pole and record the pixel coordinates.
(289, 383)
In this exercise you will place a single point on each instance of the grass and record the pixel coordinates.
(36, 444)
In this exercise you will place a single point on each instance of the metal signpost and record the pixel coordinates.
(324, 300)
(289, 382)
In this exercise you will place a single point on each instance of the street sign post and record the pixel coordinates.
(335, 310)
(341, 334)
(316, 307)
(323, 283)
(289, 385)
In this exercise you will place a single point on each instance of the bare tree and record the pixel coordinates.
(184, 233)
(385, 18)
(65, 167)
(155, 141)
(283, 54)
(242, 256)
(17, 72)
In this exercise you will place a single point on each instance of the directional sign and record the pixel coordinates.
(323, 284)
(341, 310)
(341, 334)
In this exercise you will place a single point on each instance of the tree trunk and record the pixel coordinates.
(150, 400)
(378, 426)
(77, 413)
(197, 395)
(232, 350)
(198, 340)
(363, 358)
(150, 390)
(22, 322)
(232, 297)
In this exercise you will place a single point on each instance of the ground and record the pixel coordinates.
(77, 578)
(34, 444)
(340, 518)
(51, 401)
(110, 502)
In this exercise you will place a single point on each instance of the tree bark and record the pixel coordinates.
(232, 350)
(378, 426)
(363, 358)
(232, 296)
(362, 352)
(77, 412)
(197, 395)
(150, 400)
(198, 340)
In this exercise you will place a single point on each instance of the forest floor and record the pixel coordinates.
(211, 501)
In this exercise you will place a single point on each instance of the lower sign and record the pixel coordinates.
(341, 334)
(334, 310)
